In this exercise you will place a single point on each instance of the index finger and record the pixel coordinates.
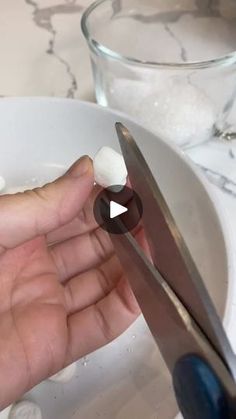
(82, 223)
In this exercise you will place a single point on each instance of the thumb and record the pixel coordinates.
(26, 215)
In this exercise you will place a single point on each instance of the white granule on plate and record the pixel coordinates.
(4, 414)
(25, 410)
(65, 375)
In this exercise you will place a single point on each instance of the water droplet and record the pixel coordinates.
(129, 350)
(85, 361)
(134, 337)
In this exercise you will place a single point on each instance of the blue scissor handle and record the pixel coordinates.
(199, 393)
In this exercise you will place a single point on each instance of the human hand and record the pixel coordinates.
(62, 290)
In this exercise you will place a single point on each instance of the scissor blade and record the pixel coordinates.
(169, 252)
(172, 327)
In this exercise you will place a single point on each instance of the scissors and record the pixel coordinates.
(174, 300)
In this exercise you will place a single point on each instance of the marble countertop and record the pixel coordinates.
(43, 53)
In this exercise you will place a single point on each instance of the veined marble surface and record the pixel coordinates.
(43, 51)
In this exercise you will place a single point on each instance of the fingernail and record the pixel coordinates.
(81, 167)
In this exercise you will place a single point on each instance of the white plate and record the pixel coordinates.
(39, 139)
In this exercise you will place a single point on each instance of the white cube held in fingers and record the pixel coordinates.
(25, 410)
(109, 168)
(64, 375)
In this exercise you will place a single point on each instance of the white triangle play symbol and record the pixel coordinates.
(116, 209)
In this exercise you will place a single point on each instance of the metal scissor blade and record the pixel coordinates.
(169, 252)
(174, 330)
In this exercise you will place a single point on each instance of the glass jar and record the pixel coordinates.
(169, 63)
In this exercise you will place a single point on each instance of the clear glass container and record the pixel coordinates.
(169, 63)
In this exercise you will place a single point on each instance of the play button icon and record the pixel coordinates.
(117, 203)
(116, 209)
